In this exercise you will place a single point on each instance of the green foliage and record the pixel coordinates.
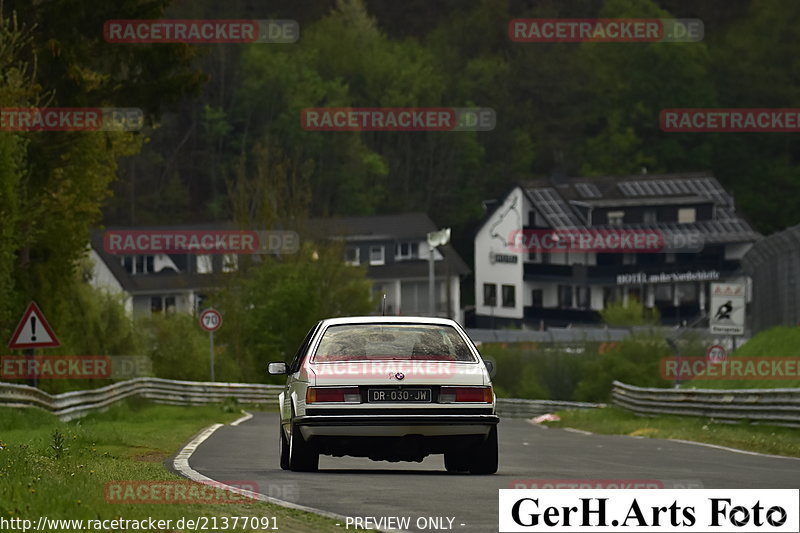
(57, 446)
(538, 371)
(635, 361)
(780, 341)
(616, 313)
(269, 310)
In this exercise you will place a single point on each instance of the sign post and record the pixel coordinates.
(211, 320)
(435, 239)
(728, 302)
(33, 331)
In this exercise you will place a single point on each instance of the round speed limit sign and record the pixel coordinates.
(210, 319)
(716, 353)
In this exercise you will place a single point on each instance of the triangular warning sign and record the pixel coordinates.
(33, 331)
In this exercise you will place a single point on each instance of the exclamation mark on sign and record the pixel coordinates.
(33, 328)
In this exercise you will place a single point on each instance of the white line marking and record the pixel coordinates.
(580, 431)
(181, 464)
(735, 450)
(247, 416)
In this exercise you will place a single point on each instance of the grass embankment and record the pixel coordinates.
(128, 442)
(777, 342)
(614, 421)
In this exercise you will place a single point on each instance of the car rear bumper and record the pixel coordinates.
(395, 425)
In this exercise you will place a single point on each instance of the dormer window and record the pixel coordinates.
(615, 218)
(376, 255)
(407, 250)
(687, 215)
(352, 256)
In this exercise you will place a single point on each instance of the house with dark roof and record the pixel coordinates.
(556, 252)
(395, 250)
(393, 247)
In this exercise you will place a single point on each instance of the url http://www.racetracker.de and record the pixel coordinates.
(200, 523)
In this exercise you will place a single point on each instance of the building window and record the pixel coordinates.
(169, 304)
(407, 250)
(127, 263)
(537, 298)
(230, 262)
(649, 216)
(376, 255)
(615, 218)
(687, 215)
(156, 304)
(204, 264)
(509, 296)
(489, 294)
(583, 297)
(138, 264)
(565, 295)
(352, 256)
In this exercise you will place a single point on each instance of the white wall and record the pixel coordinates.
(491, 239)
(103, 279)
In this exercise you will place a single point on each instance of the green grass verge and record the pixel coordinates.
(614, 421)
(128, 442)
(780, 341)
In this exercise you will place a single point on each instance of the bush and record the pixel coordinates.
(538, 371)
(635, 361)
(634, 314)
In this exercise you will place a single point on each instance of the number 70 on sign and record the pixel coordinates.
(210, 319)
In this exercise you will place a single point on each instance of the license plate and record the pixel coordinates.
(399, 395)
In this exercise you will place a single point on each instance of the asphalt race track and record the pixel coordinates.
(359, 487)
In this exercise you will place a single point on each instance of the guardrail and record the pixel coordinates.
(774, 406)
(76, 404)
(780, 407)
(519, 408)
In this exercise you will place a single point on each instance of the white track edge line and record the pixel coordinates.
(579, 431)
(735, 450)
(247, 416)
(181, 464)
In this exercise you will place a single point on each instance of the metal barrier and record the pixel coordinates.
(76, 404)
(774, 406)
(519, 408)
(780, 407)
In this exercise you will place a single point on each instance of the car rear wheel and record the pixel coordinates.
(483, 458)
(284, 447)
(456, 461)
(302, 456)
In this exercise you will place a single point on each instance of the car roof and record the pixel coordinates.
(389, 320)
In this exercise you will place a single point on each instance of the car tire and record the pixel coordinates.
(302, 456)
(456, 461)
(284, 449)
(484, 455)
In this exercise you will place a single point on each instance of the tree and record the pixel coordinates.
(269, 310)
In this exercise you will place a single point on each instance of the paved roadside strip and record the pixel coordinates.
(349, 487)
(180, 465)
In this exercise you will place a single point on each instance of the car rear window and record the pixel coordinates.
(428, 342)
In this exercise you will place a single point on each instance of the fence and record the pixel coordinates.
(773, 406)
(518, 408)
(780, 407)
(75, 404)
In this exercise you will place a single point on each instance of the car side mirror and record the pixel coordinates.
(277, 369)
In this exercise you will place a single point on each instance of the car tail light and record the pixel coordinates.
(465, 394)
(333, 394)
